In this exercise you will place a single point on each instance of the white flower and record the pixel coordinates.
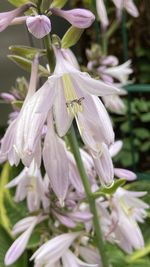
(13, 144)
(55, 161)
(30, 186)
(49, 253)
(127, 210)
(68, 92)
(102, 13)
(69, 259)
(120, 72)
(115, 104)
(26, 226)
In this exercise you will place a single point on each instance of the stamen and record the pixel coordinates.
(74, 105)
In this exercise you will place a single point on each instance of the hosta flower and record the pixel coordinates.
(68, 92)
(26, 226)
(128, 5)
(69, 259)
(80, 18)
(53, 250)
(7, 17)
(127, 210)
(55, 161)
(30, 186)
(102, 13)
(90, 255)
(104, 166)
(125, 174)
(13, 144)
(39, 25)
(115, 104)
(121, 72)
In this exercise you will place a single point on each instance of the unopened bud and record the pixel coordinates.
(80, 18)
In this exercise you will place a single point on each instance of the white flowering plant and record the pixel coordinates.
(63, 203)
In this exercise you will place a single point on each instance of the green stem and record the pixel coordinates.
(50, 52)
(96, 221)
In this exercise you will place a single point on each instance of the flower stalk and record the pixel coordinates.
(71, 136)
(50, 53)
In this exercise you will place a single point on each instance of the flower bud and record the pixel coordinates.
(39, 26)
(7, 17)
(125, 174)
(80, 18)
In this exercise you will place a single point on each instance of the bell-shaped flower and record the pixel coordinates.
(68, 91)
(39, 26)
(26, 226)
(70, 259)
(7, 17)
(29, 185)
(80, 18)
(128, 5)
(53, 250)
(14, 143)
(94, 124)
(90, 254)
(115, 104)
(55, 161)
(121, 72)
(102, 13)
(104, 166)
(127, 210)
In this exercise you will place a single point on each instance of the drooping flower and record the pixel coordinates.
(104, 166)
(55, 161)
(13, 144)
(128, 5)
(127, 211)
(39, 25)
(69, 259)
(120, 72)
(80, 18)
(26, 226)
(30, 186)
(7, 17)
(102, 13)
(67, 91)
(53, 250)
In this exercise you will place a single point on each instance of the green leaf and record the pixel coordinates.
(139, 254)
(58, 3)
(3, 193)
(142, 133)
(26, 64)
(18, 3)
(26, 51)
(110, 190)
(71, 37)
(145, 117)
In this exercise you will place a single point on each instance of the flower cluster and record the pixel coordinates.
(51, 182)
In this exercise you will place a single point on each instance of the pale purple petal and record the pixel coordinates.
(39, 25)
(56, 163)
